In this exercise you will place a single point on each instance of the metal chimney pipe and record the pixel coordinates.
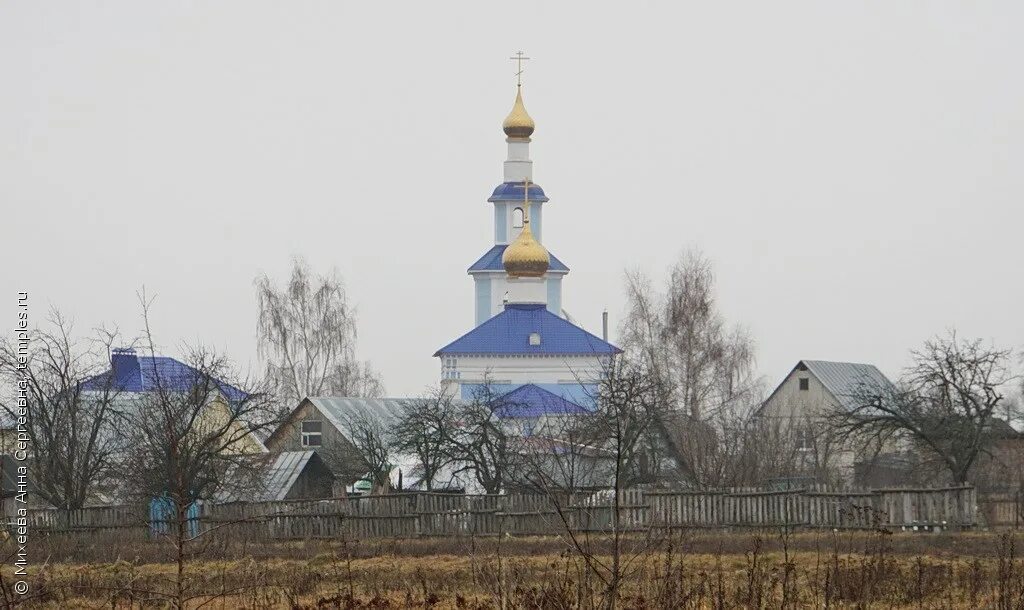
(604, 325)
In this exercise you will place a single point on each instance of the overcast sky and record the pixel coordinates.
(853, 169)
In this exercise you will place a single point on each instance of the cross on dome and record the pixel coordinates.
(519, 58)
(518, 123)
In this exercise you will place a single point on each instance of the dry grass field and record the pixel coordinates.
(683, 570)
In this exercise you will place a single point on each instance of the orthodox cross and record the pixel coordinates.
(526, 201)
(519, 59)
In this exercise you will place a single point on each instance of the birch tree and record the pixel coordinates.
(307, 334)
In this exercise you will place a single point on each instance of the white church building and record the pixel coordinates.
(522, 343)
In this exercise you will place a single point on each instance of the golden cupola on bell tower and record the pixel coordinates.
(525, 257)
(518, 123)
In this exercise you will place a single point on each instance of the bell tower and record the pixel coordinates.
(518, 205)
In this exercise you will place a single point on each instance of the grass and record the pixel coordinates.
(684, 570)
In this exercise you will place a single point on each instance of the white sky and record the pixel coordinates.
(852, 168)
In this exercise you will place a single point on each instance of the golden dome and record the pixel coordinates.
(518, 123)
(525, 257)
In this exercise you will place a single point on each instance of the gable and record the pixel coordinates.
(305, 410)
(830, 385)
(336, 411)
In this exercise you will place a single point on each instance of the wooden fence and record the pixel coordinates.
(1003, 509)
(409, 515)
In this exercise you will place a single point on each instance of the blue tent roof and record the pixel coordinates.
(513, 191)
(532, 401)
(130, 372)
(491, 261)
(509, 333)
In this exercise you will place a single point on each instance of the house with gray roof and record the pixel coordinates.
(324, 424)
(327, 425)
(797, 411)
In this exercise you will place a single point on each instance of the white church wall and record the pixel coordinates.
(499, 286)
(528, 369)
(527, 290)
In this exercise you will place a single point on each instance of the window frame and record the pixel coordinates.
(804, 440)
(305, 436)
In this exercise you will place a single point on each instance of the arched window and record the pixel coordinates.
(517, 218)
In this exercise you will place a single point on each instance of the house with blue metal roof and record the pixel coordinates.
(132, 377)
(131, 373)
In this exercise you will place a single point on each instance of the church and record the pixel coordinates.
(522, 344)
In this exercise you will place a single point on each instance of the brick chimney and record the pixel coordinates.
(124, 365)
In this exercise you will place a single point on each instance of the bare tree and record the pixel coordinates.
(706, 368)
(481, 443)
(373, 443)
(422, 431)
(69, 403)
(307, 333)
(682, 337)
(192, 439)
(785, 450)
(945, 403)
(565, 453)
(616, 445)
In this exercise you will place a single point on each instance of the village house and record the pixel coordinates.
(797, 411)
(131, 377)
(327, 425)
(324, 424)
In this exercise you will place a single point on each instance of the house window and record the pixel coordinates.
(804, 440)
(312, 434)
(517, 218)
(805, 383)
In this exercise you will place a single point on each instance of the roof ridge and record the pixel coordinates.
(838, 362)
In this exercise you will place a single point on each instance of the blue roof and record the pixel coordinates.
(509, 333)
(513, 191)
(491, 261)
(130, 372)
(532, 401)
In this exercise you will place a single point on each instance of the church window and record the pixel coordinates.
(517, 218)
(805, 383)
(312, 434)
(448, 368)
